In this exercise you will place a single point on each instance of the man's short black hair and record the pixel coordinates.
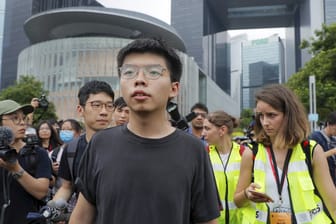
(331, 119)
(157, 47)
(94, 87)
(200, 106)
(119, 103)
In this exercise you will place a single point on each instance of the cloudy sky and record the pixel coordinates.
(161, 9)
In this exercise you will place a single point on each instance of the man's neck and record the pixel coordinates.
(327, 132)
(150, 125)
(197, 132)
(18, 144)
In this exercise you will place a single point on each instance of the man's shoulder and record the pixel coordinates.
(112, 131)
(316, 135)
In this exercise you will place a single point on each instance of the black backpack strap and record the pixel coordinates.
(255, 146)
(71, 153)
(305, 144)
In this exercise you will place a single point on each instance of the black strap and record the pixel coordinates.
(280, 182)
(305, 145)
(254, 151)
(227, 214)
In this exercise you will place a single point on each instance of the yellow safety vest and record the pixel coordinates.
(306, 205)
(226, 176)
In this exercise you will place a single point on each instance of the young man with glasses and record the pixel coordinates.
(146, 171)
(95, 107)
(25, 180)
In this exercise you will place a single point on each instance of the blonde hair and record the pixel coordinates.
(220, 118)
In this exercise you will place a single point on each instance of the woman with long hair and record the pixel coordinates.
(47, 135)
(285, 175)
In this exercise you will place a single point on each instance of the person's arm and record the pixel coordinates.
(324, 182)
(37, 187)
(64, 192)
(330, 152)
(244, 180)
(30, 117)
(84, 212)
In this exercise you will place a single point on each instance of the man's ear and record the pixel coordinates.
(175, 88)
(80, 110)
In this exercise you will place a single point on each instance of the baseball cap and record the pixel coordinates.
(10, 106)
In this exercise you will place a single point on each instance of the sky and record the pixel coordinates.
(160, 9)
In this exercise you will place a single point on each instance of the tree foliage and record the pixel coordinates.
(24, 91)
(323, 67)
(245, 118)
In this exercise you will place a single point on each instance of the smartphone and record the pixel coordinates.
(262, 195)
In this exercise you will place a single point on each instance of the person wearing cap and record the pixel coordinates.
(25, 180)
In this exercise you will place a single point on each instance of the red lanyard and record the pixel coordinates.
(274, 166)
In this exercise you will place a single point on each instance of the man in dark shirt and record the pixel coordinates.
(24, 181)
(327, 139)
(146, 171)
(96, 107)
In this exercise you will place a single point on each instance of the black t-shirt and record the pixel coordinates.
(132, 180)
(64, 170)
(21, 202)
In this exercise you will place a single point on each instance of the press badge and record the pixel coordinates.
(281, 215)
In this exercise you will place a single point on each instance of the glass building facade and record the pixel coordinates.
(263, 63)
(15, 39)
(330, 11)
(44, 5)
(2, 24)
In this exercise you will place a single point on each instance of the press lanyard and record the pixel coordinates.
(227, 214)
(274, 166)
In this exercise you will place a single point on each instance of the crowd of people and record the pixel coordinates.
(126, 162)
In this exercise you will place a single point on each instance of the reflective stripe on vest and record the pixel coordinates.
(232, 175)
(306, 205)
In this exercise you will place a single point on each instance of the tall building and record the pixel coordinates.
(2, 24)
(262, 64)
(200, 23)
(15, 39)
(330, 11)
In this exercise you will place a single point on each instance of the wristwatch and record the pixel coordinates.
(17, 175)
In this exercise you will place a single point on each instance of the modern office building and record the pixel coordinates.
(330, 11)
(262, 64)
(14, 38)
(200, 22)
(71, 46)
(2, 24)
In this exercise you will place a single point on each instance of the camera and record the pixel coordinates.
(7, 153)
(176, 119)
(31, 138)
(43, 102)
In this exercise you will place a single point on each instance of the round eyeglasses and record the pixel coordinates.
(98, 105)
(151, 72)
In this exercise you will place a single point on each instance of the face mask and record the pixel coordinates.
(66, 135)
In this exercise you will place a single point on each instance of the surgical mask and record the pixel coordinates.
(66, 135)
